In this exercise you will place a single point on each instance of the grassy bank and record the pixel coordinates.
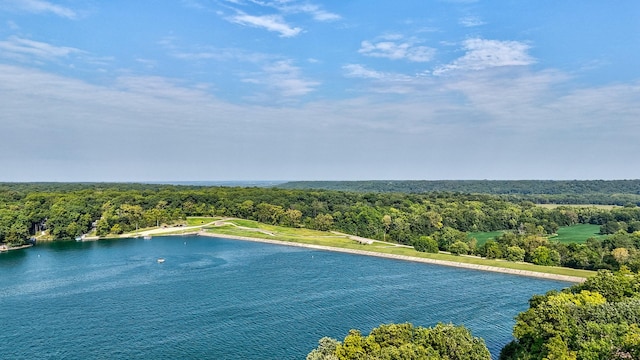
(245, 228)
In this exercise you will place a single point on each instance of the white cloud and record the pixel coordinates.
(315, 11)
(273, 23)
(396, 50)
(194, 4)
(471, 21)
(40, 6)
(276, 22)
(294, 7)
(284, 78)
(359, 71)
(483, 54)
(384, 82)
(196, 52)
(453, 128)
(26, 49)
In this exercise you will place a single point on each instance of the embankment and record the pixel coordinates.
(572, 279)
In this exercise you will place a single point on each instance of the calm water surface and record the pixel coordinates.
(226, 299)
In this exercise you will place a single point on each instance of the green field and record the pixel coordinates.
(200, 220)
(484, 236)
(566, 234)
(577, 233)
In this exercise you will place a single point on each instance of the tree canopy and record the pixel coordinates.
(404, 341)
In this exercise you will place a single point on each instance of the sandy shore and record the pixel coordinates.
(571, 279)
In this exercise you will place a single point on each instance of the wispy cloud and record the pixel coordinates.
(426, 128)
(392, 47)
(316, 12)
(194, 4)
(362, 72)
(482, 54)
(273, 74)
(384, 82)
(40, 7)
(273, 23)
(26, 49)
(245, 14)
(284, 78)
(471, 21)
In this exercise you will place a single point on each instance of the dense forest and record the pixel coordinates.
(603, 192)
(597, 319)
(436, 221)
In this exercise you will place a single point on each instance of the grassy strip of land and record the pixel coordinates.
(318, 238)
(253, 230)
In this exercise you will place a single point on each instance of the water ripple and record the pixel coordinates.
(223, 299)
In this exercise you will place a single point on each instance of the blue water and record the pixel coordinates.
(226, 299)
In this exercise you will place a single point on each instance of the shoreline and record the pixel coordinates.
(5, 248)
(527, 273)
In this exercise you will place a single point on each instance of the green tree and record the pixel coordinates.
(448, 236)
(514, 253)
(459, 248)
(404, 341)
(491, 250)
(542, 255)
(323, 222)
(116, 229)
(292, 217)
(425, 244)
(326, 350)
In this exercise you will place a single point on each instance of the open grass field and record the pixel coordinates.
(566, 234)
(577, 233)
(200, 220)
(484, 236)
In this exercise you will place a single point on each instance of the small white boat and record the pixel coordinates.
(79, 238)
(147, 237)
(160, 260)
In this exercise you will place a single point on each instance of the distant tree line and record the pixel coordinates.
(432, 222)
(601, 192)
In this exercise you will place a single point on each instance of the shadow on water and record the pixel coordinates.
(71, 245)
(12, 258)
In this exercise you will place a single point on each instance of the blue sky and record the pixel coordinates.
(312, 90)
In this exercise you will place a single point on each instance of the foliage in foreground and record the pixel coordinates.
(404, 341)
(594, 320)
(598, 319)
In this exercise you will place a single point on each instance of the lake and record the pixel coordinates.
(228, 299)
